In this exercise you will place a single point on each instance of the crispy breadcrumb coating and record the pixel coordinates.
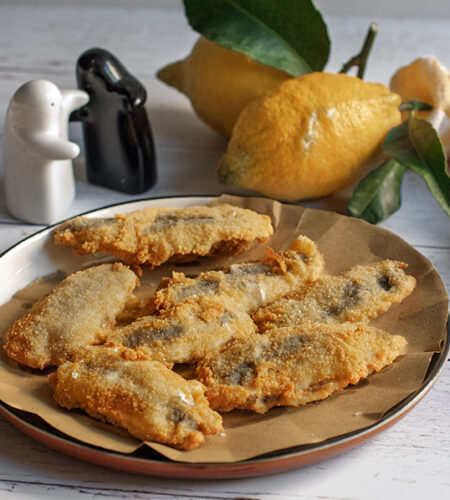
(186, 332)
(295, 365)
(142, 396)
(152, 236)
(197, 316)
(358, 294)
(248, 285)
(77, 312)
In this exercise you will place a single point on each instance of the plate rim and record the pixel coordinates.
(280, 460)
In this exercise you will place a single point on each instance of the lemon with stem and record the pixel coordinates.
(309, 136)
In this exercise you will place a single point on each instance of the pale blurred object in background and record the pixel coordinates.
(428, 81)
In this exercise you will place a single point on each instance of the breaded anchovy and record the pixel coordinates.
(295, 365)
(144, 397)
(358, 294)
(152, 236)
(249, 285)
(76, 313)
(197, 316)
(185, 333)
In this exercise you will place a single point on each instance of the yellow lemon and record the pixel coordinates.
(426, 80)
(220, 82)
(309, 136)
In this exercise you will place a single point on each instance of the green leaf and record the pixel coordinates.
(397, 144)
(287, 34)
(433, 169)
(416, 145)
(378, 195)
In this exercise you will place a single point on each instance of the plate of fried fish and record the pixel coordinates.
(215, 337)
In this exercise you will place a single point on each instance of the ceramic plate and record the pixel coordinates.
(36, 256)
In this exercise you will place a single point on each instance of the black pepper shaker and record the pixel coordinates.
(117, 134)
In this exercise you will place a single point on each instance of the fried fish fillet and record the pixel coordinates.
(152, 236)
(249, 285)
(186, 332)
(359, 294)
(295, 365)
(197, 316)
(77, 312)
(144, 397)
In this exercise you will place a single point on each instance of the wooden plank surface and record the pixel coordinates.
(43, 40)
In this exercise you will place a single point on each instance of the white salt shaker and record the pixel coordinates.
(37, 156)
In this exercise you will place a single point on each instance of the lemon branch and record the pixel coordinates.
(360, 60)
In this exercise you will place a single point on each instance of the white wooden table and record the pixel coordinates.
(43, 40)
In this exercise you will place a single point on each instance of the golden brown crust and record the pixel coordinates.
(142, 396)
(295, 365)
(153, 236)
(197, 316)
(75, 313)
(186, 332)
(248, 285)
(306, 351)
(358, 294)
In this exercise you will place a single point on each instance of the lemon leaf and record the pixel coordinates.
(287, 34)
(378, 195)
(433, 167)
(397, 144)
(416, 145)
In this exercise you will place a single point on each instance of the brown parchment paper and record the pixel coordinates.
(344, 242)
